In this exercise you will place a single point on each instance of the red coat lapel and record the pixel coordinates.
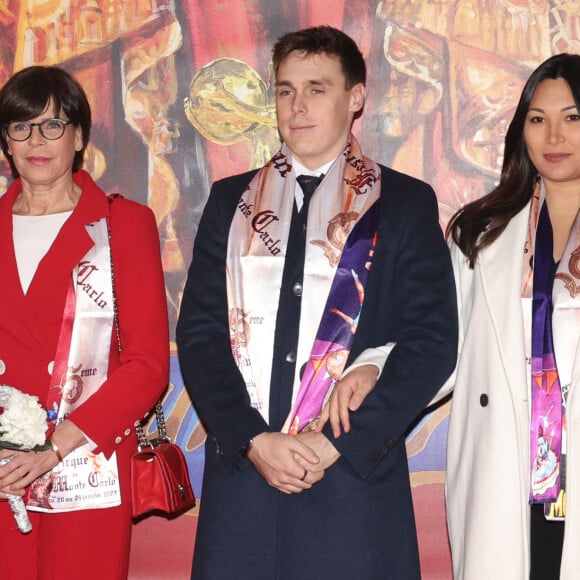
(41, 308)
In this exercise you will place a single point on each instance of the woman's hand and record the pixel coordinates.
(27, 466)
(347, 396)
(23, 469)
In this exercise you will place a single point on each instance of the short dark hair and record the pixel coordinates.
(481, 222)
(27, 94)
(324, 40)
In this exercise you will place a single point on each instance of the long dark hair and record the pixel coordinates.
(27, 94)
(480, 223)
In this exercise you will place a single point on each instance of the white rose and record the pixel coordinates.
(23, 421)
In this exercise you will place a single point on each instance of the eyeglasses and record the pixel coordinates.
(50, 129)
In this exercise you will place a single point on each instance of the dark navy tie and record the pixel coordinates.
(308, 183)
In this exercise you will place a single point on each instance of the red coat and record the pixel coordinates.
(30, 324)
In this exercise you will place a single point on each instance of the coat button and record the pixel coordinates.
(127, 432)
(118, 440)
(50, 367)
(483, 400)
(291, 357)
(2, 367)
(297, 289)
(218, 448)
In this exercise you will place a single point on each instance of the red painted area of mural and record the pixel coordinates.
(429, 505)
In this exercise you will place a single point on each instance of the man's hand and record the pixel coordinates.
(347, 396)
(324, 449)
(285, 462)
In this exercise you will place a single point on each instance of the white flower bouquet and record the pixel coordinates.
(23, 427)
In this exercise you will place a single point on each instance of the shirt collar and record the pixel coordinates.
(300, 169)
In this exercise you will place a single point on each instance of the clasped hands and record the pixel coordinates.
(295, 464)
(292, 464)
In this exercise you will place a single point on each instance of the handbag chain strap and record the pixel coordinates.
(162, 437)
(143, 441)
(113, 285)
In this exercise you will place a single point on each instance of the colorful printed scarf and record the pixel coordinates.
(552, 343)
(337, 258)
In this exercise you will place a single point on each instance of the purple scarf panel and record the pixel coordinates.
(546, 411)
(339, 322)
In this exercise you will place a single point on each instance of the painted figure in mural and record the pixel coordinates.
(516, 255)
(83, 327)
(281, 499)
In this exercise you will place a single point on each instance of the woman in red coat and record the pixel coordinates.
(83, 326)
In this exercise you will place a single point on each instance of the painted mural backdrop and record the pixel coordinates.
(182, 95)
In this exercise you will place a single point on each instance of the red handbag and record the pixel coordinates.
(159, 475)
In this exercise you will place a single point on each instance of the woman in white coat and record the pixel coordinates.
(513, 458)
(513, 504)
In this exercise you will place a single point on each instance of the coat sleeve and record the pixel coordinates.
(463, 283)
(211, 375)
(412, 303)
(140, 372)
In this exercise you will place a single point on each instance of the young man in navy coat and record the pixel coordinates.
(290, 291)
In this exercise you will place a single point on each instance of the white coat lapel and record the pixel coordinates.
(501, 274)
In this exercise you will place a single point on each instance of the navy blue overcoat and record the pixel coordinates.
(356, 523)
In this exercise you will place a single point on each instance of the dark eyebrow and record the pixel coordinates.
(319, 82)
(563, 110)
(311, 82)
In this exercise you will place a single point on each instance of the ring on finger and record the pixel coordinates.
(304, 475)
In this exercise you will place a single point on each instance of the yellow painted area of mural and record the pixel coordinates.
(51, 31)
(418, 478)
